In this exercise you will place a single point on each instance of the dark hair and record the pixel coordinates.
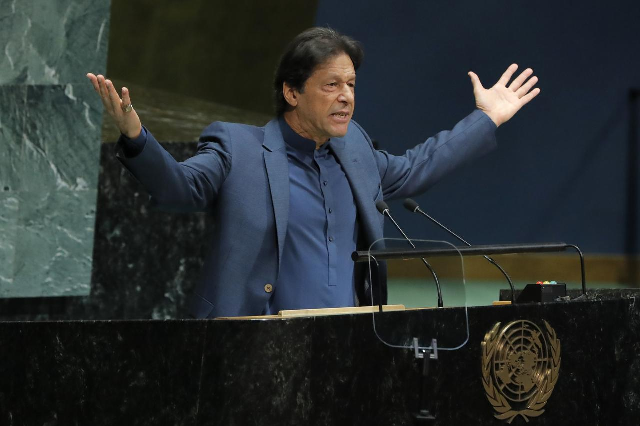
(309, 49)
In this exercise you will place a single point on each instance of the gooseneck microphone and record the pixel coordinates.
(383, 208)
(413, 207)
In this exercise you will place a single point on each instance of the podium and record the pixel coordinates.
(311, 370)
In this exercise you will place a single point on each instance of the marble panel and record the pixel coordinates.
(323, 371)
(100, 373)
(145, 263)
(334, 370)
(52, 42)
(53, 174)
(8, 227)
(12, 116)
(61, 143)
(311, 371)
(50, 121)
(54, 242)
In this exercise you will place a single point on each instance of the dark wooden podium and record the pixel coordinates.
(322, 370)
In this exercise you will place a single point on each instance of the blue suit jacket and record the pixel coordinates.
(240, 175)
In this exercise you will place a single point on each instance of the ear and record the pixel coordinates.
(290, 94)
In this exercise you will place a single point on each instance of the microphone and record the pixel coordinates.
(383, 208)
(413, 207)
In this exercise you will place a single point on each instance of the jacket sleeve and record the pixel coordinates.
(422, 166)
(188, 186)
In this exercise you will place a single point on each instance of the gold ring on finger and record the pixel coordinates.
(127, 108)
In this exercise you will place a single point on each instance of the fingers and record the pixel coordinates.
(128, 122)
(527, 98)
(507, 75)
(108, 94)
(126, 100)
(527, 86)
(475, 81)
(116, 103)
(104, 94)
(94, 82)
(515, 84)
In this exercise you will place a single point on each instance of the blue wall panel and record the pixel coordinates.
(560, 171)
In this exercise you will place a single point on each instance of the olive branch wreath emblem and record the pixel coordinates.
(534, 406)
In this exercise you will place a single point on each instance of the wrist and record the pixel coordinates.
(133, 134)
(494, 117)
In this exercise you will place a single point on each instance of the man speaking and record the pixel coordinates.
(293, 199)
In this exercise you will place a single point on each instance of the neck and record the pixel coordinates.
(293, 121)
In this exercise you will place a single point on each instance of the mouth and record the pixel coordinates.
(341, 116)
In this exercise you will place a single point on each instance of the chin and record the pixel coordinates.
(340, 131)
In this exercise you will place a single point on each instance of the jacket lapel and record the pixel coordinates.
(277, 167)
(358, 180)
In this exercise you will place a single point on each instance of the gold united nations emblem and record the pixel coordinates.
(520, 365)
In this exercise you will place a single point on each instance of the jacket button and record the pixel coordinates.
(268, 288)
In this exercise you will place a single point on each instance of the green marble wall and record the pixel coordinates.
(50, 121)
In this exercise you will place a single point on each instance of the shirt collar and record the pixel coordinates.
(297, 142)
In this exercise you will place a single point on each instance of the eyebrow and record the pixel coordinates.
(337, 76)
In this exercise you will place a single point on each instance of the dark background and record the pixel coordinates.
(561, 171)
(224, 51)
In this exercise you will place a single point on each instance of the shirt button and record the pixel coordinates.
(330, 210)
(325, 183)
(268, 288)
(330, 238)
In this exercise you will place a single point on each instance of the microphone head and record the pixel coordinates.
(382, 206)
(410, 205)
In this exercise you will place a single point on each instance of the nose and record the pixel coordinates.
(346, 94)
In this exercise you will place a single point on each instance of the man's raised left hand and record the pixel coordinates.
(501, 102)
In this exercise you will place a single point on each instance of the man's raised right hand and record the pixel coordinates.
(128, 122)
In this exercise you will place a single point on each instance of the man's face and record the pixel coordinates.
(325, 106)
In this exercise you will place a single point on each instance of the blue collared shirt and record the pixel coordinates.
(316, 269)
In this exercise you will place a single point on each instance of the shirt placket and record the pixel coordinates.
(320, 157)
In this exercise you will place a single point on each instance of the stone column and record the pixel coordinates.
(50, 122)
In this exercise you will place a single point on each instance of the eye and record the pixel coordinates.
(352, 85)
(333, 84)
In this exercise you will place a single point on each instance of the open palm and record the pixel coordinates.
(127, 120)
(501, 102)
